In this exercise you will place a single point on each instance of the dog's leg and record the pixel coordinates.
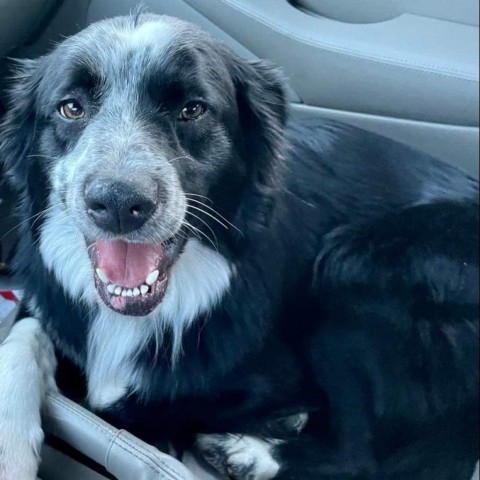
(27, 367)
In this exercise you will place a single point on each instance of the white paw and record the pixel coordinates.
(240, 457)
(26, 371)
(19, 450)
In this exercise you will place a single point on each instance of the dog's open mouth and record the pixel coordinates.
(131, 278)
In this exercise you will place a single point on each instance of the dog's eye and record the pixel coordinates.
(192, 111)
(71, 109)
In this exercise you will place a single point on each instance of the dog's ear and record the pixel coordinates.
(17, 128)
(262, 107)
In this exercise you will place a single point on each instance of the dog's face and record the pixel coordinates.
(141, 133)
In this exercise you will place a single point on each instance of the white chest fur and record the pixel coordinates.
(197, 282)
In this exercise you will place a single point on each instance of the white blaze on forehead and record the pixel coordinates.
(105, 46)
(154, 32)
(149, 40)
(134, 51)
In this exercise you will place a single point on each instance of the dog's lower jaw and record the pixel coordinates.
(27, 367)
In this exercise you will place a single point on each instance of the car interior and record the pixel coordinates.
(407, 69)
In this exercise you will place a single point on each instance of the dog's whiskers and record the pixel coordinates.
(215, 213)
(198, 195)
(198, 233)
(208, 215)
(207, 225)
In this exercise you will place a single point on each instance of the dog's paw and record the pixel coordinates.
(22, 387)
(239, 457)
(19, 450)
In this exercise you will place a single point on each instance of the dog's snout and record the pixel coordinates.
(119, 207)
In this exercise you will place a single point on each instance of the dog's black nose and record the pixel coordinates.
(117, 207)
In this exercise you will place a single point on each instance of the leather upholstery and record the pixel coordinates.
(123, 455)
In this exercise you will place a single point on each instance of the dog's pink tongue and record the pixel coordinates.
(127, 264)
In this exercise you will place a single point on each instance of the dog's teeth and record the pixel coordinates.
(152, 277)
(136, 292)
(124, 293)
(129, 293)
(143, 289)
(118, 290)
(102, 275)
(111, 288)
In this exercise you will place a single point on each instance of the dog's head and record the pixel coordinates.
(134, 136)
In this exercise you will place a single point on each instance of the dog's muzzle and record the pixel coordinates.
(130, 277)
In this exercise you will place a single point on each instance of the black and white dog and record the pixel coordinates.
(294, 299)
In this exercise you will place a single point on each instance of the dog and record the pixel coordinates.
(291, 299)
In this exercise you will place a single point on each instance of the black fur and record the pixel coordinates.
(355, 298)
